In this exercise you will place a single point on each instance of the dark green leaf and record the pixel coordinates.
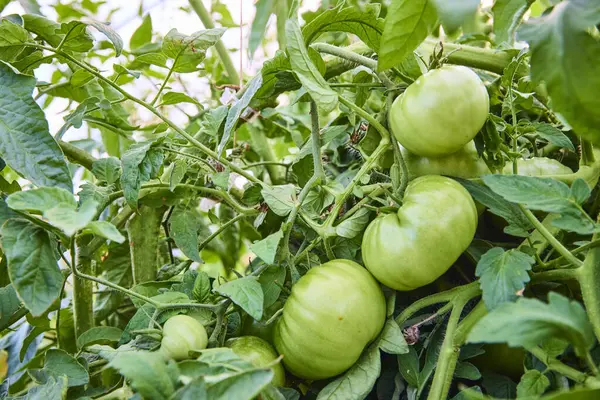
(553, 135)
(466, 370)
(140, 164)
(153, 381)
(99, 335)
(9, 305)
(107, 169)
(59, 363)
(32, 265)
(25, 142)
(529, 322)
(507, 17)
(183, 228)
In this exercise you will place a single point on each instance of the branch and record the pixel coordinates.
(77, 155)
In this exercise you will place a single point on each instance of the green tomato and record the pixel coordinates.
(465, 163)
(258, 353)
(414, 247)
(333, 312)
(537, 166)
(181, 334)
(501, 359)
(440, 112)
(252, 327)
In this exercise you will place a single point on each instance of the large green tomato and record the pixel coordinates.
(465, 163)
(181, 334)
(537, 166)
(258, 353)
(333, 312)
(440, 112)
(414, 247)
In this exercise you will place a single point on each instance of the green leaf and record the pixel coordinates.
(466, 370)
(9, 305)
(25, 142)
(140, 163)
(553, 135)
(454, 13)
(169, 98)
(99, 335)
(358, 381)
(143, 34)
(564, 55)
(245, 385)
(533, 383)
(12, 38)
(314, 83)
(70, 220)
(266, 249)
(76, 37)
(502, 274)
(236, 110)
(547, 195)
(106, 230)
(183, 228)
(32, 265)
(408, 365)
(59, 363)
(518, 224)
(245, 292)
(202, 287)
(54, 388)
(407, 24)
(153, 59)
(153, 381)
(507, 17)
(363, 22)
(110, 33)
(271, 281)
(189, 51)
(391, 339)
(44, 28)
(353, 226)
(42, 199)
(264, 9)
(529, 322)
(107, 169)
(280, 199)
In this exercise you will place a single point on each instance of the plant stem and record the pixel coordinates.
(554, 365)
(589, 281)
(119, 221)
(216, 233)
(346, 55)
(226, 197)
(555, 275)
(471, 289)
(77, 155)
(476, 57)
(162, 86)
(262, 147)
(551, 239)
(83, 290)
(208, 23)
(143, 233)
(193, 157)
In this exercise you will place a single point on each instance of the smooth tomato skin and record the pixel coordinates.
(537, 166)
(182, 333)
(333, 312)
(465, 163)
(440, 112)
(414, 247)
(258, 353)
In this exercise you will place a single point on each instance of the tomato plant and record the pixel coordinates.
(299, 199)
(334, 311)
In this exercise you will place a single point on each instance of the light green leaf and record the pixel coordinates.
(502, 274)
(183, 228)
(54, 388)
(12, 38)
(245, 385)
(529, 322)
(143, 34)
(70, 220)
(533, 384)
(454, 13)
(266, 249)
(407, 24)
(314, 83)
(107, 169)
(264, 9)
(553, 135)
(76, 37)
(507, 17)
(59, 363)
(245, 292)
(44, 28)
(280, 199)
(110, 33)
(140, 163)
(153, 59)
(189, 51)
(170, 98)
(564, 55)
(153, 381)
(358, 381)
(99, 335)
(391, 339)
(362, 21)
(41, 199)
(353, 226)
(106, 230)
(32, 265)
(25, 142)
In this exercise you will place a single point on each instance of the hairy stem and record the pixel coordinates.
(143, 233)
(589, 281)
(77, 155)
(83, 290)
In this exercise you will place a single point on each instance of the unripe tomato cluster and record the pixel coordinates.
(336, 309)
